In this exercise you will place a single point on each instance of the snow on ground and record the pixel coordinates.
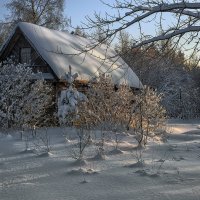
(171, 170)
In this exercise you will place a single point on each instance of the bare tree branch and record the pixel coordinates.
(170, 35)
(185, 17)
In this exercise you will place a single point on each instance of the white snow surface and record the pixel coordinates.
(170, 169)
(59, 50)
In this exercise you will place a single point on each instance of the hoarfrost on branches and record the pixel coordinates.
(148, 119)
(24, 101)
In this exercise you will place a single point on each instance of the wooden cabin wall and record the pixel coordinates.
(81, 86)
(36, 61)
(17, 42)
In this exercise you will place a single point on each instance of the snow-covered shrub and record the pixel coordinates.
(68, 105)
(14, 86)
(69, 100)
(24, 101)
(39, 106)
(108, 109)
(148, 119)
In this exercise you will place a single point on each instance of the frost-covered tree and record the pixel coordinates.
(98, 35)
(165, 69)
(24, 102)
(41, 111)
(181, 94)
(69, 114)
(148, 116)
(68, 101)
(47, 13)
(68, 106)
(124, 43)
(118, 109)
(14, 85)
(107, 106)
(107, 109)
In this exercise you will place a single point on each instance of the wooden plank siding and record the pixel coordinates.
(16, 43)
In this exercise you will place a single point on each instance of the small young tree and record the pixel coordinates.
(68, 101)
(42, 143)
(83, 141)
(68, 113)
(107, 109)
(148, 116)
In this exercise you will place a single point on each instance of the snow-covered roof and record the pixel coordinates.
(61, 49)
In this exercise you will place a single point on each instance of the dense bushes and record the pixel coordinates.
(25, 100)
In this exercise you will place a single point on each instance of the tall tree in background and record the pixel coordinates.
(163, 68)
(99, 35)
(124, 43)
(78, 31)
(48, 13)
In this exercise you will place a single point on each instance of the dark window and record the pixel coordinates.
(25, 55)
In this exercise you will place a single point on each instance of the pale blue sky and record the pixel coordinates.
(2, 8)
(78, 9)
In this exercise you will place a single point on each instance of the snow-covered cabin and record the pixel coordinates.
(51, 52)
